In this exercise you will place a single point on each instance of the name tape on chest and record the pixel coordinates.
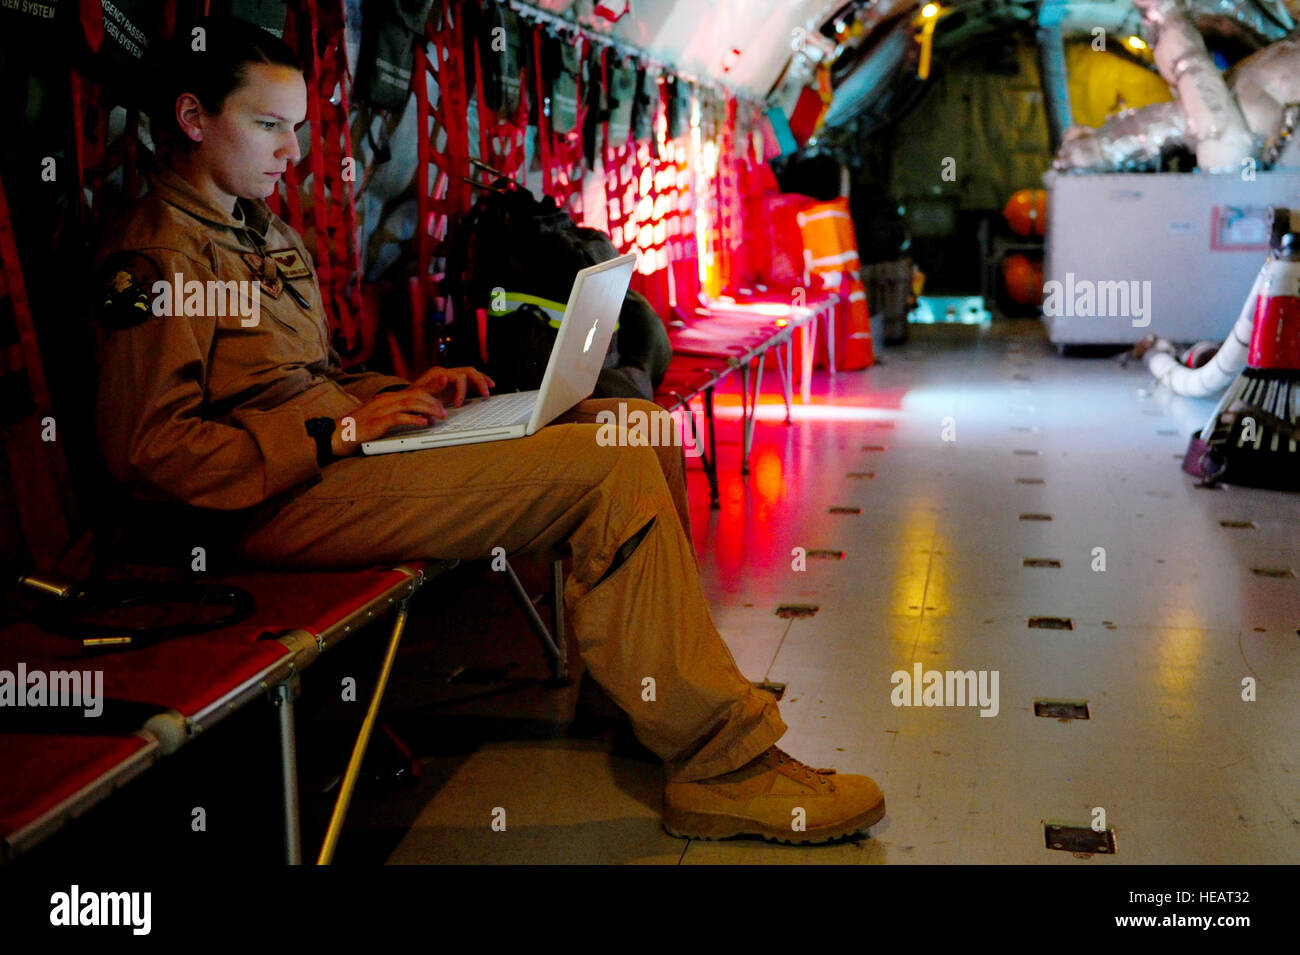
(292, 265)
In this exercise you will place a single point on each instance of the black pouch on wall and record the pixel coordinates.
(129, 27)
(670, 107)
(27, 28)
(502, 52)
(564, 96)
(388, 36)
(679, 108)
(645, 104)
(595, 98)
(621, 98)
(267, 14)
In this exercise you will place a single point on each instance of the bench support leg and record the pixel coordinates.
(560, 665)
(554, 648)
(744, 419)
(363, 741)
(284, 695)
(808, 342)
(830, 339)
(785, 368)
(710, 460)
(750, 408)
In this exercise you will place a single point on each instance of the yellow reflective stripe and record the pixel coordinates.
(554, 310)
(545, 304)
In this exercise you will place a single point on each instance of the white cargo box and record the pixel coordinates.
(1171, 254)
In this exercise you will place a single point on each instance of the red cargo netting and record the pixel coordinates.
(329, 171)
(33, 474)
(560, 153)
(649, 208)
(502, 136)
(443, 193)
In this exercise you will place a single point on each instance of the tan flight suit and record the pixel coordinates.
(208, 412)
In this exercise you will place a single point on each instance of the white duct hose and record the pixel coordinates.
(1265, 84)
(1260, 18)
(1213, 116)
(1133, 138)
(1220, 371)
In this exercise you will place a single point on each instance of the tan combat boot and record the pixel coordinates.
(762, 798)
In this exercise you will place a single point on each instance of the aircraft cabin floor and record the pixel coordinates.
(933, 572)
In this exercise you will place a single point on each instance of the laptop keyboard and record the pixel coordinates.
(495, 412)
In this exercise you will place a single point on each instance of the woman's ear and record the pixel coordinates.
(189, 116)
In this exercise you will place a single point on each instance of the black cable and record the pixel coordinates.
(75, 615)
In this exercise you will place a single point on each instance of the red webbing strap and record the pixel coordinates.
(422, 164)
(36, 469)
(543, 121)
(28, 349)
(501, 138)
(443, 191)
(622, 177)
(339, 217)
(340, 165)
(683, 252)
(96, 159)
(317, 33)
(649, 196)
(316, 159)
(730, 221)
(92, 23)
(168, 20)
(131, 157)
(566, 152)
(612, 163)
(367, 320)
(88, 109)
(561, 156)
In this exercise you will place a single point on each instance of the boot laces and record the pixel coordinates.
(803, 769)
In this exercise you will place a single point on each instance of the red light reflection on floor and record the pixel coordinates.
(875, 407)
(752, 533)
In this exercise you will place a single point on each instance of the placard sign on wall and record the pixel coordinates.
(1240, 229)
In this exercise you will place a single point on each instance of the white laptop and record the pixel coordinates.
(575, 363)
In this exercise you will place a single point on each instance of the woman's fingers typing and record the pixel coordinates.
(375, 418)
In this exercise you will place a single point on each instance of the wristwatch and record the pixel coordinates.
(322, 430)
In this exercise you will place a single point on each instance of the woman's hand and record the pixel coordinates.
(451, 385)
(378, 416)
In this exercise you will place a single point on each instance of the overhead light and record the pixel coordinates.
(1137, 43)
(929, 13)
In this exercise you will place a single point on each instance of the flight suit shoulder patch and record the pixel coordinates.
(123, 288)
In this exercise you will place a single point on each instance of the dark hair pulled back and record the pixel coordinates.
(210, 64)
